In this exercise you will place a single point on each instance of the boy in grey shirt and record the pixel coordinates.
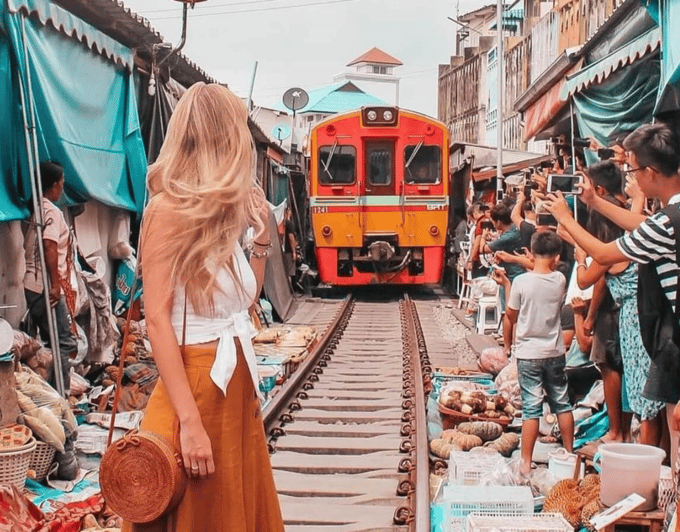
(533, 310)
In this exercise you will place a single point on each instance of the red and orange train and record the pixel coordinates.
(379, 197)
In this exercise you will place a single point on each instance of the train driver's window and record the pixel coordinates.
(422, 164)
(379, 165)
(337, 165)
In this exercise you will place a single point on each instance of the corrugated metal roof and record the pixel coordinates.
(119, 22)
(376, 55)
(337, 98)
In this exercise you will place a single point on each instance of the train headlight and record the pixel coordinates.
(372, 115)
(326, 230)
(434, 230)
(387, 116)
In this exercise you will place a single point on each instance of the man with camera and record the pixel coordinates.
(509, 239)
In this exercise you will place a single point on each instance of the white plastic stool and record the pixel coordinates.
(489, 314)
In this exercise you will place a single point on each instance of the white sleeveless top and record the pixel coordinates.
(230, 320)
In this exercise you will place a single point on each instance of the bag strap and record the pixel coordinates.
(673, 213)
(123, 348)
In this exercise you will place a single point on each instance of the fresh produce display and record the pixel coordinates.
(453, 440)
(505, 444)
(576, 500)
(486, 430)
(477, 402)
(457, 371)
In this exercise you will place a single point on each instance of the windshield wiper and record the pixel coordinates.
(328, 162)
(413, 156)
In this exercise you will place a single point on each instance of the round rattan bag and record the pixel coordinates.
(142, 477)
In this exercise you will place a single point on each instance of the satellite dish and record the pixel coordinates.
(281, 132)
(295, 98)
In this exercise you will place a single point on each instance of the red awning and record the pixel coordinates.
(547, 107)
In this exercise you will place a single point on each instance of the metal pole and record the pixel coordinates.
(36, 191)
(252, 86)
(573, 153)
(499, 112)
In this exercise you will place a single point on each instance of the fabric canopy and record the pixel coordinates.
(669, 93)
(622, 103)
(547, 107)
(85, 108)
(599, 71)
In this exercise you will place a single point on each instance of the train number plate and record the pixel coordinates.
(319, 210)
(436, 206)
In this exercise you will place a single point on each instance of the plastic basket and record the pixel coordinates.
(550, 522)
(667, 492)
(461, 501)
(41, 460)
(468, 468)
(14, 464)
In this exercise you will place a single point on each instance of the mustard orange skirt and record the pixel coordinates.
(240, 496)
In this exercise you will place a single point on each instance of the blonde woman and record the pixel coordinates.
(198, 286)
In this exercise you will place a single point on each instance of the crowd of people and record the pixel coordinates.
(613, 233)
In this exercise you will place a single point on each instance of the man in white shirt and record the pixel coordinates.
(56, 242)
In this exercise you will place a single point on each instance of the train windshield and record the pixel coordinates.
(422, 164)
(337, 165)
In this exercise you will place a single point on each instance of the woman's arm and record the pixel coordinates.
(158, 228)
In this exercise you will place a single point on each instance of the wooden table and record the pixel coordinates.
(652, 519)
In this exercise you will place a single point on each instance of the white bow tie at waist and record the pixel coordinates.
(238, 325)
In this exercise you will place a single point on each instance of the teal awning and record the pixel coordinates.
(85, 106)
(63, 21)
(599, 71)
(669, 91)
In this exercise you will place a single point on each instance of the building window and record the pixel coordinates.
(379, 69)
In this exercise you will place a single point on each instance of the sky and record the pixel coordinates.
(304, 43)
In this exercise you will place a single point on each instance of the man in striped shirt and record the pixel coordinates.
(653, 152)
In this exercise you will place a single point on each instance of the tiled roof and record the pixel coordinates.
(376, 55)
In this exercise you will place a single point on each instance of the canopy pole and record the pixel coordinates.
(37, 193)
(252, 86)
(573, 152)
(499, 111)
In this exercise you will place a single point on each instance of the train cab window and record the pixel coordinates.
(379, 164)
(422, 164)
(337, 165)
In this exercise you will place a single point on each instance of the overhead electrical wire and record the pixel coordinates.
(194, 15)
(200, 7)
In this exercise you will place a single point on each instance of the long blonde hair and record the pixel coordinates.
(205, 170)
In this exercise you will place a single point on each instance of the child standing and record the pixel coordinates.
(533, 311)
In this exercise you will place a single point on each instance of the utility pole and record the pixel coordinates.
(499, 100)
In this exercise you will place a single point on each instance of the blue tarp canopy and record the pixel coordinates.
(669, 90)
(84, 104)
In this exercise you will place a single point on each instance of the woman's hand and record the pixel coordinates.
(580, 255)
(196, 449)
(557, 206)
(579, 306)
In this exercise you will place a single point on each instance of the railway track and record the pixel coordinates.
(348, 430)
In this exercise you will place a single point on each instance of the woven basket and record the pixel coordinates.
(41, 460)
(142, 477)
(14, 464)
(452, 418)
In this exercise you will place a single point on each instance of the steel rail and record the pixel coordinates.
(286, 398)
(419, 495)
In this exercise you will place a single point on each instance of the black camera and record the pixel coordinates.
(487, 224)
(546, 164)
(529, 185)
